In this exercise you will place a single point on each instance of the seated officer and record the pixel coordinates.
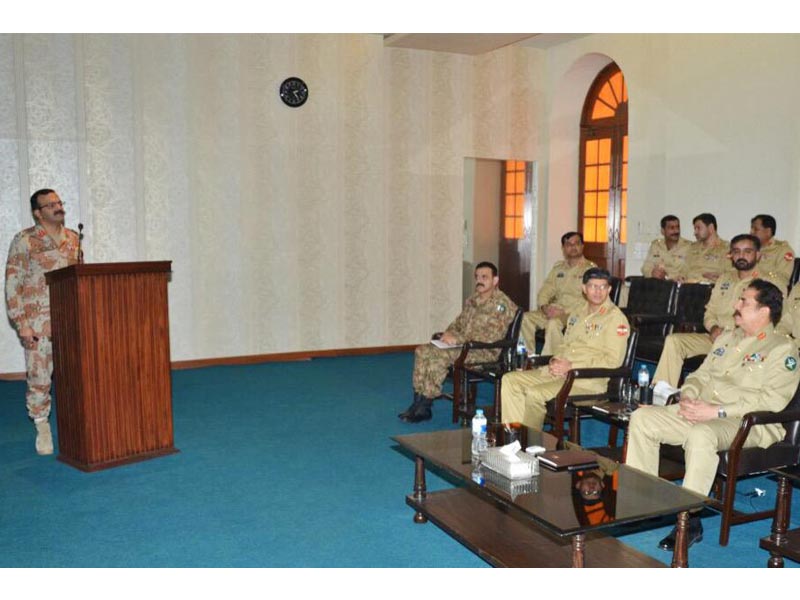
(485, 318)
(666, 257)
(719, 311)
(560, 293)
(596, 336)
(706, 258)
(750, 368)
(777, 256)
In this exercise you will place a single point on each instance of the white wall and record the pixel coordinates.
(340, 224)
(335, 225)
(713, 128)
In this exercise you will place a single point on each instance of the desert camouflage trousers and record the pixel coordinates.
(39, 370)
(431, 364)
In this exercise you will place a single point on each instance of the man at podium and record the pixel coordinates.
(34, 251)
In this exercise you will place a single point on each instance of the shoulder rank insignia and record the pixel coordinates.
(790, 363)
(725, 286)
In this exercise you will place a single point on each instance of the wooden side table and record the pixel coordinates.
(782, 543)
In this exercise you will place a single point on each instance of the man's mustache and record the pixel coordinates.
(59, 212)
(736, 313)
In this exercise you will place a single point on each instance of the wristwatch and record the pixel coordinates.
(721, 413)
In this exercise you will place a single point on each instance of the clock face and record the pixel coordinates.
(294, 92)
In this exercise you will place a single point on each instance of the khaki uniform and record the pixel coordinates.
(562, 288)
(719, 313)
(478, 322)
(673, 261)
(790, 321)
(741, 373)
(700, 259)
(596, 339)
(777, 262)
(32, 254)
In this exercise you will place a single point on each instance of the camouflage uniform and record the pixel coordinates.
(479, 322)
(777, 262)
(597, 339)
(719, 313)
(32, 254)
(672, 260)
(562, 288)
(701, 259)
(742, 374)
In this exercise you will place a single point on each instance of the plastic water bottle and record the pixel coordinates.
(522, 354)
(644, 385)
(478, 434)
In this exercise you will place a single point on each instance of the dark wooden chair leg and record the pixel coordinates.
(727, 511)
(613, 431)
(575, 428)
(420, 489)
(497, 413)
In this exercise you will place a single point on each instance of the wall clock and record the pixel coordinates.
(294, 92)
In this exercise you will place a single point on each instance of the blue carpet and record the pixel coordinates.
(281, 465)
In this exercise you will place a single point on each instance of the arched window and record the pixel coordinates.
(603, 174)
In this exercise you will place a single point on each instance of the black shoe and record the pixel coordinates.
(412, 408)
(421, 411)
(694, 534)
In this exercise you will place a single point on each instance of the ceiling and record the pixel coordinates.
(474, 43)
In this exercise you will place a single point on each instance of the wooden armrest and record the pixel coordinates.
(650, 319)
(761, 417)
(690, 328)
(474, 345)
(490, 345)
(540, 361)
(590, 373)
(765, 417)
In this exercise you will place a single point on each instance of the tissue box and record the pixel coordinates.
(513, 487)
(527, 466)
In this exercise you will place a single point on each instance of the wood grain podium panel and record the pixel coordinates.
(111, 362)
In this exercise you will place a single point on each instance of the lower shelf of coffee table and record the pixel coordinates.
(504, 539)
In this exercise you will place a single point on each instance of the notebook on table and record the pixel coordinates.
(568, 460)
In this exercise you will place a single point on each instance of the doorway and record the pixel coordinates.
(499, 223)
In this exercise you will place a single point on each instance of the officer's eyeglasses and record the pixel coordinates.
(52, 204)
(597, 286)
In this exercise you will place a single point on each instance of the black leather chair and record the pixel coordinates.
(564, 407)
(467, 376)
(738, 462)
(688, 318)
(795, 274)
(651, 305)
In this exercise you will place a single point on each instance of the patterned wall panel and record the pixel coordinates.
(337, 224)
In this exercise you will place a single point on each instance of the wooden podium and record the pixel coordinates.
(111, 363)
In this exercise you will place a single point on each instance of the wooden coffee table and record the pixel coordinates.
(544, 525)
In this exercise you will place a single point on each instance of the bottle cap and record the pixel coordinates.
(478, 411)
